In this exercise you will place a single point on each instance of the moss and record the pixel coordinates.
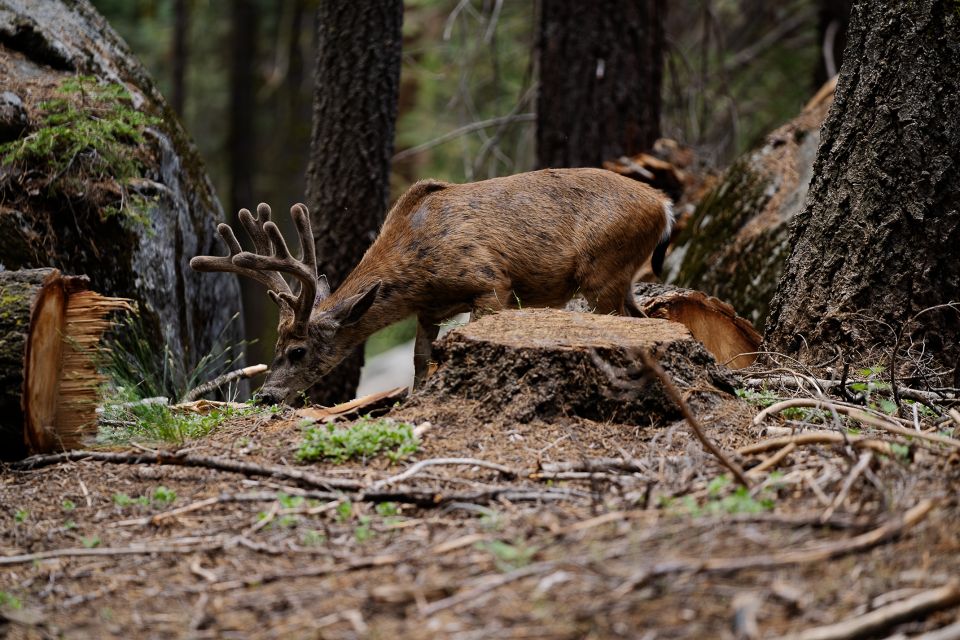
(90, 134)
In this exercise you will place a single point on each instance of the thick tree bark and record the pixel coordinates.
(181, 29)
(601, 66)
(879, 240)
(354, 110)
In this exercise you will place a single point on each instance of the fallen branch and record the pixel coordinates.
(878, 620)
(423, 464)
(676, 396)
(137, 549)
(179, 459)
(219, 381)
(651, 365)
(773, 460)
(859, 416)
(847, 485)
(826, 551)
(801, 382)
(821, 437)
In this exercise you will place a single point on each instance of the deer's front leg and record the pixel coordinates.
(427, 331)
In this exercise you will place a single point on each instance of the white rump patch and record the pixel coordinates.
(669, 216)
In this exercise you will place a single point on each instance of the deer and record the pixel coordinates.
(531, 239)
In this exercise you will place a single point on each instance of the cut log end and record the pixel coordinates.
(50, 330)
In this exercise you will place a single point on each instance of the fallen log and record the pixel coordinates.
(50, 329)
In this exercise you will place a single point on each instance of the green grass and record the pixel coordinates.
(122, 424)
(364, 440)
(507, 556)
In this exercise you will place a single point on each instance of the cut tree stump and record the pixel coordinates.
(539, 363)
(730, 339)
(50, 329)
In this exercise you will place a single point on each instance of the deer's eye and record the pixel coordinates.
(296, 354)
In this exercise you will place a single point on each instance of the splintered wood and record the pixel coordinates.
(86, 321)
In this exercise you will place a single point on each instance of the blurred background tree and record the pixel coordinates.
(733, 70)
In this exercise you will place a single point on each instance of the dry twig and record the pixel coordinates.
(885, 617)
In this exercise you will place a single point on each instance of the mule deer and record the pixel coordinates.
(534, 239)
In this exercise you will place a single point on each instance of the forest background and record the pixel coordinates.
(240, 76)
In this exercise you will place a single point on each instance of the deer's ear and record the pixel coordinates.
(352, 309)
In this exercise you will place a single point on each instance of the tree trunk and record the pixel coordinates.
(54, 212)
(879, 240)
(354, 110)
(833, 16)
(601, 66)
(181, 33)
(50, 328)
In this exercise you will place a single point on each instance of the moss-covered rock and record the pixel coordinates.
(103, 181)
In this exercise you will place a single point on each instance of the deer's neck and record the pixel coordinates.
(389, 307)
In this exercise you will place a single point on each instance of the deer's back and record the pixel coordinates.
(544, 231)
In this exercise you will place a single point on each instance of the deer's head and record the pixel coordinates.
(309, 334)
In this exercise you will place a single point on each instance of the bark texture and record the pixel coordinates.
(879, 239)
(18, 290)
(601, 67)
(43, 44)
(354, 111)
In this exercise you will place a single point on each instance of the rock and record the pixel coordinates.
(540, 363)
(43, 47)
(13, 117)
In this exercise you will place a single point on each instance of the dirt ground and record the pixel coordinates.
(579, 529)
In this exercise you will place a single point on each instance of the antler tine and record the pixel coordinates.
(254, 227)
(301, 218)
(284, 262)
(273, 281)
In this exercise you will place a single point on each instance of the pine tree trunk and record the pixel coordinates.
(354, 111)
(879, 240)
(601, 66)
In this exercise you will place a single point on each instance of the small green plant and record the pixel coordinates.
(164, 495)
(720, 500)
(69, 525)
(9, 601)
(313, 538)
(762, 398)
(21, 516)
(507, 556)
(344, 511)
(90, 134)
(122, 500)
(91, 542)
(364, 440)
(387, 509)
(290, 502)
(363, 532)
(286, 521)
(68, 505)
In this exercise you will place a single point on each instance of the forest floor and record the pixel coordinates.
(562, 529)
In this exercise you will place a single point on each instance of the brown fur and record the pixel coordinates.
(532, 239)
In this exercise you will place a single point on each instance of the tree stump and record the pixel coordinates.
(50, 328)
(542, 363)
